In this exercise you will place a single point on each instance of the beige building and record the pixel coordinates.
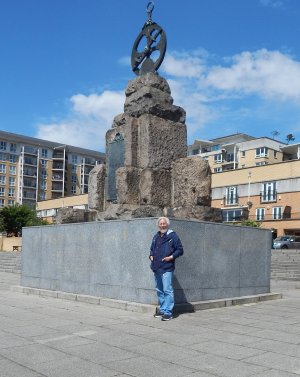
(256, 178)
(47, 209)
(34, 169)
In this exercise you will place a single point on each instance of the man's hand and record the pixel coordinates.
(151, 258)
(168, 259)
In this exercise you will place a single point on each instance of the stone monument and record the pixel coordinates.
(147, 172)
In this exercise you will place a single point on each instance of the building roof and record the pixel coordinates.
(46, 143)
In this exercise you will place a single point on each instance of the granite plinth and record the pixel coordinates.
(110, 259)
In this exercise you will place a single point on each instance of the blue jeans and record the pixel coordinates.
(165, 292)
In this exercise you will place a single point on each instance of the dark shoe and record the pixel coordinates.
(158, 313)
(166, 317)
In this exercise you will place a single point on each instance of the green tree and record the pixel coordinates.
(253, 223)
(14, 218)
(290, 137)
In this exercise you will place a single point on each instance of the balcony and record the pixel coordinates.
(30, 150)
(268, 196)
(30, 161)
(29, 173)
(57, 177)
(57, 166)
(59, 155)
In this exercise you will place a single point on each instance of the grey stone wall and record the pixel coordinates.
(110, 259)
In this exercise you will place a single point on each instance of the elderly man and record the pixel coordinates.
(165, 248)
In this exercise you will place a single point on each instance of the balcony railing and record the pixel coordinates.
(57, 166)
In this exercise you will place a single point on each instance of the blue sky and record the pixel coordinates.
(234, 65)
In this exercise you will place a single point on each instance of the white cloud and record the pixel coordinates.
(89, 119)
(272, 3)
(269, 74)
(188, 66)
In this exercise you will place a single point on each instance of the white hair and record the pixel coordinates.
(163, 218)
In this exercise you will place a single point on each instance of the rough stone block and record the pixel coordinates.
(150, 94)
(96, 188)
(127, 183)
(161, 142)
(191, 182)
(155, 187)
(71, 215)
(202, 213)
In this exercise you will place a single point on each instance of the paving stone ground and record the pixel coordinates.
(58, 338)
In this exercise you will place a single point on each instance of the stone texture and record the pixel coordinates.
(191, 182)
(150, 94)
(161, 142)
(71, 215)
(101, 259)
(96, 188)
(155, 177)
(202, 213)
(155, 187)
(127, 183)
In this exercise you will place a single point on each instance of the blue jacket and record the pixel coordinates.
(165, 246)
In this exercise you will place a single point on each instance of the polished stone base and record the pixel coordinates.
(110, 260)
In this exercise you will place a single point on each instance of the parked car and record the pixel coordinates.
(286, 242)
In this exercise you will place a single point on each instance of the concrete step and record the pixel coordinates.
(10, 262)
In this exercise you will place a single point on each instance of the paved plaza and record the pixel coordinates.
(42, 336)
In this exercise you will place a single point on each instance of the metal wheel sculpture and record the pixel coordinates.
(150, 46)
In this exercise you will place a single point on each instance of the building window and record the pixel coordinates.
(262, 152)
(42, 195)
(2, 180)
(12, 169)
(3, 145)
(218, 170)
(195, 152)
(231, 195)
(44, 163)
(74, 168)
(275, 154)
(230, 157)
(243, 153)
(11, 202)
(268, 193)
(216, 147)
(2, 156)
(74, 159)
(2, 191)
(12, 158)
(277, 213)
(232, 214)
(44, 174)
(44, 185)
(73, 189)
(12, 181)
(218, 158)
(11, 192)
(44, 153)
(13, 148)
(74, 179)
(260, 214)
(261, 163)
(2, 168)
(1, 202)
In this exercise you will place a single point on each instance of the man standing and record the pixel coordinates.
(165, 248)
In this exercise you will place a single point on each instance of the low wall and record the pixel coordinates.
(110, 259)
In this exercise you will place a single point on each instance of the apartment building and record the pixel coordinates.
(33, 169)
(255, 178)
